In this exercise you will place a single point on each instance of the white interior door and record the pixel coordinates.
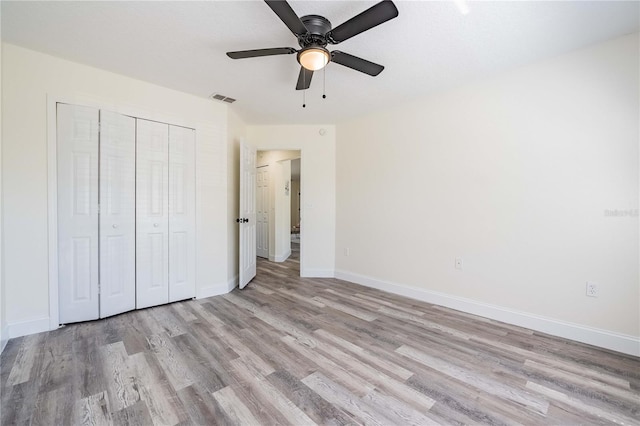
(262, 212)
(247, 219)
(182, 215)
(152, 214)
(117, 213)
(77, 170)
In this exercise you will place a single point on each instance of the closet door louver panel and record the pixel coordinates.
(152, 214)
(182, 218)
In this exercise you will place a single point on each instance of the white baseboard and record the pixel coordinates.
(317, 273)
(593, 336)
(280, 258)
(217, 289)
(233, 283)
(4, 338)
(24, 328)
(602, 338)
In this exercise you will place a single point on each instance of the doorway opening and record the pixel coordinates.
(278, 202)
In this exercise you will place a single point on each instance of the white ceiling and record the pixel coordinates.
(431, 46)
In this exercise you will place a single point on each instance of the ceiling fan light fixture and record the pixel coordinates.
(314, 58)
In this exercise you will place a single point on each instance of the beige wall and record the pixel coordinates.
(317, 151)
(267, 158)
(28, 79)
(513, 174)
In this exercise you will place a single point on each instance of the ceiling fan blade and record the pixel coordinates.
(356, 63)
(241, 54)
(288, 16)
(375, 15)
(304, 79)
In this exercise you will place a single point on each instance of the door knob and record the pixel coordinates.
(155, 225)
(245, 220)
(114, 226)
(238, 220)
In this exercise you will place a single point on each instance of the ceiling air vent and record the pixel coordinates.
(223, 98)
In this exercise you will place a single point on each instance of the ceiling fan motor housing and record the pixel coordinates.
(318, 26)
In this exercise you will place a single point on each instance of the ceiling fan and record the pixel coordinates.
(314, 33)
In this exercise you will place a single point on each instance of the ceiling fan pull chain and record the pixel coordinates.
(324, 82)
(304, 91)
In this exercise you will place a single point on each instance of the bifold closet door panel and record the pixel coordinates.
(117, 213)
(77, 195)
(152, 213)
(182, 215)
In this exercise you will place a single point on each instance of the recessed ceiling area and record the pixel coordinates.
(429, 47)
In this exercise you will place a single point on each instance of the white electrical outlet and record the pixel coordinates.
(459, 263)
(592, 289)
(347, 251)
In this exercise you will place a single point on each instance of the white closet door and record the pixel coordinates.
(77, 151)
(152, 215)
(182, 215)
(117, 213)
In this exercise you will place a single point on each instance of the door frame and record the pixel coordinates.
(52, 177)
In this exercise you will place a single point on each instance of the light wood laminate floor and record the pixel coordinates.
(290, 350)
